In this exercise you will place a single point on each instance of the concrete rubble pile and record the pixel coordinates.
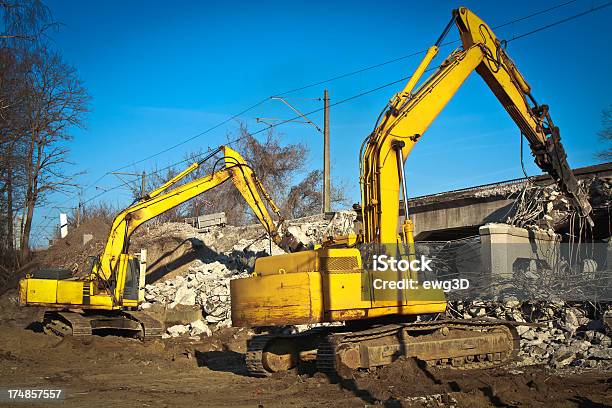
(205, 285)
(546, 208)
(555, 333)
(316, 229)
(207, 281)
(507, 189)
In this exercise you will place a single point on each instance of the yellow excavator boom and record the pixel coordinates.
(409, 114)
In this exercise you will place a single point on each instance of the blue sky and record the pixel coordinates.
(162, 72)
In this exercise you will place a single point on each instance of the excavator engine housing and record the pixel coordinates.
(320, 285)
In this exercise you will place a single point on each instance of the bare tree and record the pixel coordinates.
(41, 100)
(276, 165)
(606, 133)
(100, 212)
(22, 26)
(24, 20)
(13, 90)
(306, 197)
(57, 102)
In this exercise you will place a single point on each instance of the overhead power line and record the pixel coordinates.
(516, 37)
(414, 54)
(311, 85)
(565, 20)
(325, 81)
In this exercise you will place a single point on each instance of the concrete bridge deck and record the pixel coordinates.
(459, 213)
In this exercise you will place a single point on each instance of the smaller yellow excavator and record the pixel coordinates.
(107, 299)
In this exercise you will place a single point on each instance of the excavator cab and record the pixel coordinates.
(132, 279)
(57, 288)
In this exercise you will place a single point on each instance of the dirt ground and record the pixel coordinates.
(114, 371)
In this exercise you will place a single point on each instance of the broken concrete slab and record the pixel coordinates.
(559, 343)
(177, 330)
(198, 327)
(180, 314)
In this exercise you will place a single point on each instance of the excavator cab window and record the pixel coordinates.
(131, 280)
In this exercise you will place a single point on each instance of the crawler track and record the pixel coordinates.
(151, 327)
(254, 355)
(259, 345)
(458, 344)
(66, 323)
(466, 345)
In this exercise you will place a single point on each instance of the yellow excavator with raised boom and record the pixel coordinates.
(107, 299)
(334, 282)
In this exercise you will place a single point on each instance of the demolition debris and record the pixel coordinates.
(206, 283)
(554, 333)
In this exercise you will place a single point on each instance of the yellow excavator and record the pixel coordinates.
(107, 299)
(335, 282)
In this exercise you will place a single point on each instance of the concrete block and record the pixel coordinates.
(184, 296)
(177, 330)
(505, 249)
(180, 314)
(199, 327)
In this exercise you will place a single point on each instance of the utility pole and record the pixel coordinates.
(78, 215)
(326, 166)
(326, 176)
(142, 184)
(79, 207)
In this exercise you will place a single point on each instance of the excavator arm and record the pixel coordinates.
(165, 197)
(409, 114)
